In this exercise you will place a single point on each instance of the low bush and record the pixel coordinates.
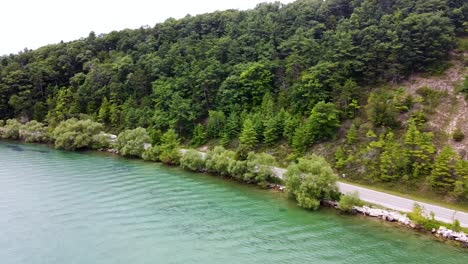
(76, 134)
(259, 168)
(347, 202)
(34, 131)
(192, 160)
(218, 160)
(458, 135)
(417, 216)
(11, 129)
(131, 143)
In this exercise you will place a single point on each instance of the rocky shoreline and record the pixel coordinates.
(402, 219)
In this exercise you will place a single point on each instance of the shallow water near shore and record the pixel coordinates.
(70, 207)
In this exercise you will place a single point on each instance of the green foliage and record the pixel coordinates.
(76, 134)
(152, 153)
(131, 143)
(352, 136)
(11, 129)
(259, 168)
(443, 177)
(248, 136)
(216, 121)
(431, 98)
(463, 88)
(198, 136)
(323, 122)
(218, 160)
(347, 202)
(311, 180)
(301, 140)
(192, 160)
(381, 109)
(419, 149)
(418, 217)
(169, 148)
(34, 131)
(458, 135)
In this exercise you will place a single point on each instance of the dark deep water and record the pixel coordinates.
(65, 207)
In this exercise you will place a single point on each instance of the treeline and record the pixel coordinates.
(171, 75)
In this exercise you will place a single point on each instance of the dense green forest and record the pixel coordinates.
(282, 77)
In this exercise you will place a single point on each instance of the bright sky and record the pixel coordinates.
(35, 23)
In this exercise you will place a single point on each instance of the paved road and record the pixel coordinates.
(404, 204)
(395, 202)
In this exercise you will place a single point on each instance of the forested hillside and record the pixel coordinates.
(278, 78)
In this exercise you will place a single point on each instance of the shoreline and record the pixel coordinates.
(442, 234)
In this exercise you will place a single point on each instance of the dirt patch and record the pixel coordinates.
(452, 111)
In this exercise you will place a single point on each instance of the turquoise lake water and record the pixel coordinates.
(68, 207)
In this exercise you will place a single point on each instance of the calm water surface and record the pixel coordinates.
(64, 207)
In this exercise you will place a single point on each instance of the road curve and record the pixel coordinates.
(404, 204)
(395, 202)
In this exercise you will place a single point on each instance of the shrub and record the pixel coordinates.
(131, 143)
(458, 135)
(192, 160)
(34, 132)
(237, 169)
(151, 153)
(456, 226)
(311, 180)
(416, 215)
(11, 129)
(218, 160)
(432, 98)
(76, 134)
(347, 202)
(2, 123)
(101, 141)
(259, 168)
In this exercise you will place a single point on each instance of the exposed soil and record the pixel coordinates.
(452, 112)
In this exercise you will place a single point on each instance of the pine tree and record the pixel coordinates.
(300, 140)
(392, 163)
(273, 130)
(248, 135)
(291, 123)
(419, 149)
(352, 136)
(442, 178)
(104, 111)
(232, 127)
(198, 137)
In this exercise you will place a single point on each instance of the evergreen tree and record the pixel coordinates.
(300, 141)
(442, 178)
(198, 137)
(291, 123)
(248, 135)
(392, 163)
(352, 136)
(273, 130)
(232, 127)
(419, 149)
(104, 111)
